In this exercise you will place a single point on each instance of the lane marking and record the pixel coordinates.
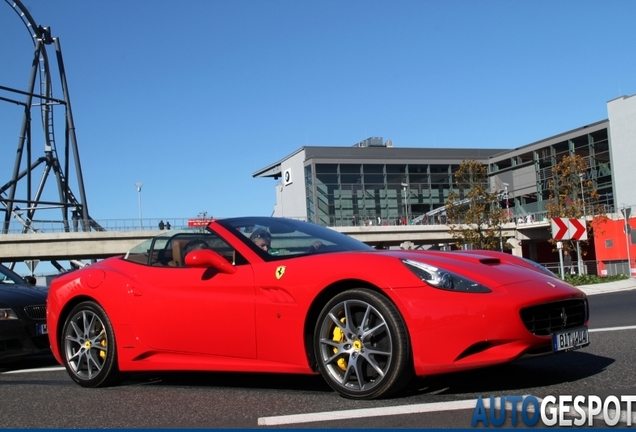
(46, 369)
(367, 412)
(612, 329)
(468, 404)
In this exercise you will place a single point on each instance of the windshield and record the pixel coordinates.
(274, 238)
(7, 276)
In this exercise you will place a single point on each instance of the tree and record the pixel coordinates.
(572, 196)
(474, 214)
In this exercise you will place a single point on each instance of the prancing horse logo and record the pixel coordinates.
(564, 317)
(280, 271)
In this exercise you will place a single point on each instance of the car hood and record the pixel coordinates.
(22, 295)
(487, 270)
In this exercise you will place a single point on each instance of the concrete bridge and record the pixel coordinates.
(97, 245)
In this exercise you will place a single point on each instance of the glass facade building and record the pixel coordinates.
(529, 169)
(368, 193)
(375, 182)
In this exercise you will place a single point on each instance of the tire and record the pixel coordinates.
(361, 345)
(88, 346)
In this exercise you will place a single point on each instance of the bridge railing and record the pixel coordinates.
(51, 226)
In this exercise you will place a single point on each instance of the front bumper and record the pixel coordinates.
(20, 339)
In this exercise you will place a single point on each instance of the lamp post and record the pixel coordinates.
(507, 212)
(507, 207)
(581, 175)
(578, 243)
(406, 197)
(139, 185)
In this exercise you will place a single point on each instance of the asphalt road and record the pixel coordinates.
(32, 396)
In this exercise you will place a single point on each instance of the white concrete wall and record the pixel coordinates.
(291, 197)
(622, 118)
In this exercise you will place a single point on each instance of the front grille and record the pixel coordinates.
(545, 319)
(36, 312)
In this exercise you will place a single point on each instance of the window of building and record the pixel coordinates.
(418, 174)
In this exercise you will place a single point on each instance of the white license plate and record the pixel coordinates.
(570, 339)
(42, 329)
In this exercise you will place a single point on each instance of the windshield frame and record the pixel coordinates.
(290, 238)
(9, 277)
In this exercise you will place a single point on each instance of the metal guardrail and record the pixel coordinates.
(50, 226)
(56, 226)
(588, 267)
(611, 268)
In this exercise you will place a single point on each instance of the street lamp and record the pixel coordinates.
(139, 185)
(507, 207)
(406, 197)
(578, 243)
(581, 175)
(507, 212)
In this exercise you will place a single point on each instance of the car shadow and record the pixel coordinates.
(312, 383)
(520, 375)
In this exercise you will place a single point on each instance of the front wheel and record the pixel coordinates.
(362, 346)
(88, 346)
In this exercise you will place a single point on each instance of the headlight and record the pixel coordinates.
(7, 314)
(442, 279)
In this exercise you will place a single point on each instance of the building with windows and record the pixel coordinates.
(374, 182)
(341, 186)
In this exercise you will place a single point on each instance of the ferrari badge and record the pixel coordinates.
(280, 271)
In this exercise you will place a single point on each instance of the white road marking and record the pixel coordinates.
(612, 329)
(468, 404)
(367, 412)
(46, 369)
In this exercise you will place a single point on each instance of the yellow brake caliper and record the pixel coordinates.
(102, 354)
(338, 336)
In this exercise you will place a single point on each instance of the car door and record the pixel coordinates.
(195, 310)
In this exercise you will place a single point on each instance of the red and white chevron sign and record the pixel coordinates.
(569, 229)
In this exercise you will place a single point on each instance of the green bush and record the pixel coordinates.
(592, 279)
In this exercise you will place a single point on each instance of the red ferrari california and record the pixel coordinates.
(260, 294)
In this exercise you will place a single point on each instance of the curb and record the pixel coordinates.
(602, 288)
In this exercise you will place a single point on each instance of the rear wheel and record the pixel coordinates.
(88, 346)
(362, 346)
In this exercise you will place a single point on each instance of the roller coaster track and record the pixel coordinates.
(22, 210)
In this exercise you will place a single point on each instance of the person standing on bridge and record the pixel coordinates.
(76, 218)
(161, 225)
(167, 225)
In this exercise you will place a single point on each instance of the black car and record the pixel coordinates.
(23, 329)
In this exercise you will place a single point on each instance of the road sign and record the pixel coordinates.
(32, 264)
(569, 229)
(199, 222)
(626, 212)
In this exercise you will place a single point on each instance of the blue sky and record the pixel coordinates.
(192, 97)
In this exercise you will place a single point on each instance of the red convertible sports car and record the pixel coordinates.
(260, 294)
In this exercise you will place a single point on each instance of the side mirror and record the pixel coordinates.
(31, 280)
(205, 258)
